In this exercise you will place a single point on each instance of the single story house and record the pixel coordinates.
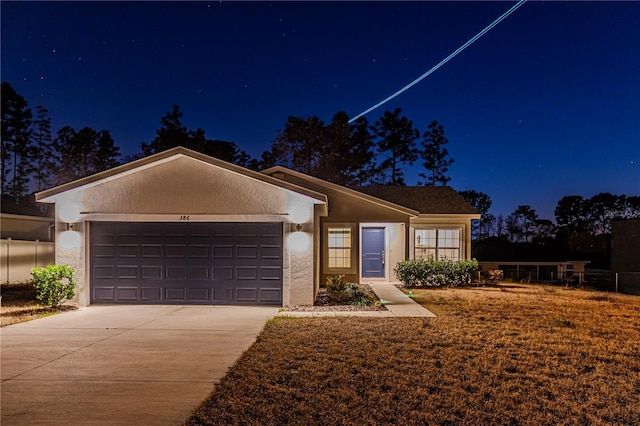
(180, 227)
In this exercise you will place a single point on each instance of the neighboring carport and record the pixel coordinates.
(121, 365)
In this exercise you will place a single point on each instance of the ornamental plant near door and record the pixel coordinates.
(54, 284)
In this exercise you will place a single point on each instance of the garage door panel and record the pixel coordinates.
(223, 273)
(104, 294)
(270, 273)
(222, 252)
(175, 294)
(247, 273)
(270, 295)
(128, 272)
(199, 273)
(151, 294)
(199, 251)
(104, 272)
(223, 295)
(127, 294)
(247, 252)
(215, 263)
(176, 273)
(151, 272)
(247, 294)
(198, 294)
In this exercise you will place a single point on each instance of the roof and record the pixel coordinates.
(425, 199)
(168, 155)
(353, 192)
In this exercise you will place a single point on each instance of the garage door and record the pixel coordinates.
(186, 263)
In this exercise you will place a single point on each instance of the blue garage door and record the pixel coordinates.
(186, 263)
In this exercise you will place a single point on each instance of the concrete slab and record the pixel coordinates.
(398, 303)
(121, 364)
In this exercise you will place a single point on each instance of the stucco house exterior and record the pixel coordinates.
(180, 227)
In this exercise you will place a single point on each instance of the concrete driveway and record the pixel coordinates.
(117, 365)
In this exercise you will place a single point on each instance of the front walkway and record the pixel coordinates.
(397, 303)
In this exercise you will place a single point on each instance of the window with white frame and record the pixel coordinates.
(438, 243)
(339, 245)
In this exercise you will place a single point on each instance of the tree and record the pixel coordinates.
(481, 202)
(173, 133)
(43, 155)
(337, 152)
(602, 209)
(82, 153)
(570, 214)
(435, 155)
(396, 141)
(15, 153)
(364, 168)
(512, 228)
(301, 144)
(526, 218)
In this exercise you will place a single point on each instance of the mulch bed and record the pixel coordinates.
(324, 304)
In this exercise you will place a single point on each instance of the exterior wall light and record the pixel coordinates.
(70, 239)
(299, 227)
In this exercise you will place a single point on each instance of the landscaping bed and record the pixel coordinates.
(324, 303)
(517, 354)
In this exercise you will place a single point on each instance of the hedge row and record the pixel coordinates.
(435, 273)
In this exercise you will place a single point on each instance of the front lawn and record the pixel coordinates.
(509, 355)
(19, 304)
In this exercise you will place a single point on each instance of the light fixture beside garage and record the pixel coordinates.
(70, 239)
(298, 241)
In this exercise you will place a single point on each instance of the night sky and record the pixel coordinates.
(544, 105)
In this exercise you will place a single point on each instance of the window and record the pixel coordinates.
(437, 243)
(339, 246)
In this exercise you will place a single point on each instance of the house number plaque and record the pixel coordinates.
(183, 217)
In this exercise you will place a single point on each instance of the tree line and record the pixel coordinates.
(573, 214)
(582, 227)
(33, 158)
(349, 154)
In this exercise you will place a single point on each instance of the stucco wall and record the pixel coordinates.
(185, 187)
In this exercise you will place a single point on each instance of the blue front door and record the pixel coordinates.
(372, 252)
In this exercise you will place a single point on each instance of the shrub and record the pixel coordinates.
(341, 292)
(495, 276)
(337, 289)
(435, 273)
(54, 284)
(357, 296)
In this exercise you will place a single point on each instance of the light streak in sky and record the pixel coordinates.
(444, 61)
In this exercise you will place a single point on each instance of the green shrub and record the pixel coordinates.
(357, 296)
(337, 289)
(435, 273)
(54, 284)
(341, 292)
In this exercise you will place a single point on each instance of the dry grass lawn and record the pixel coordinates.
(530, 355)
(19, 304)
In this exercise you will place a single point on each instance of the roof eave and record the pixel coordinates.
(49, 195)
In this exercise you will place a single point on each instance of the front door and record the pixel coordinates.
(373, 253)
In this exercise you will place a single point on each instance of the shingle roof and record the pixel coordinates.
(425, 199)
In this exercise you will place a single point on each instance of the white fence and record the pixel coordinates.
(17, 257)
